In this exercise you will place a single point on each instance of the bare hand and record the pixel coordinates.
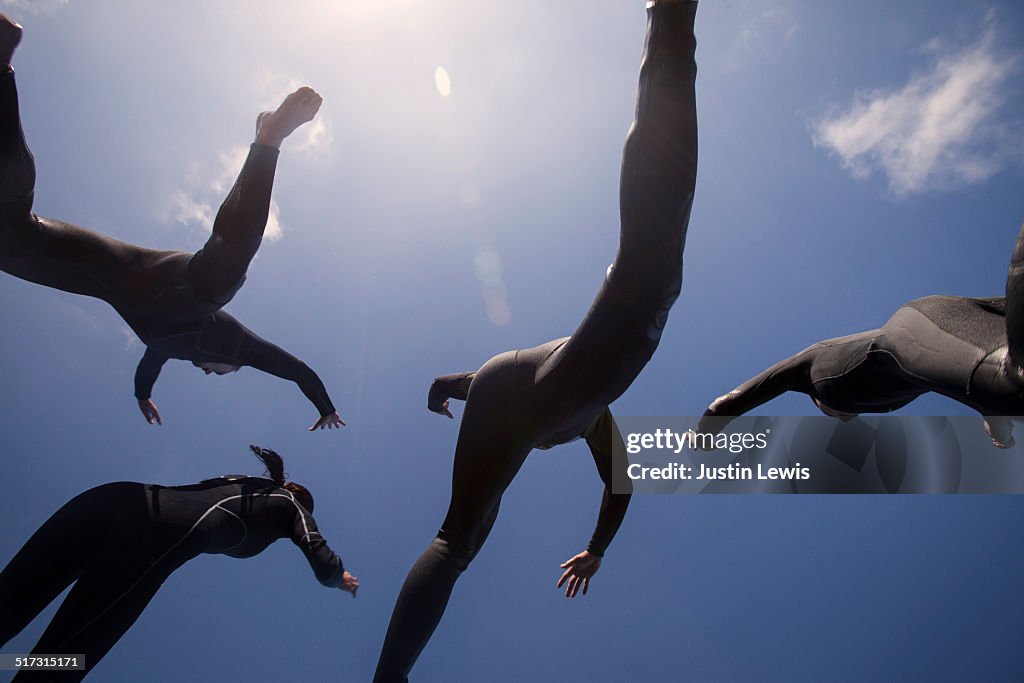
(149, 411)
(438, 398)
(443, 410)
(578, 571)
(1000, 430)
(349, 584)
(329, 422)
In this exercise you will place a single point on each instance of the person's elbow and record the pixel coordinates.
(304, 372)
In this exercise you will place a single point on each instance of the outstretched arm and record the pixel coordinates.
(450, 386)
(145, 377)
(218, 269)
(278, 362)
(606, 447)
(236, 344)
(325, 562)
(792, 374)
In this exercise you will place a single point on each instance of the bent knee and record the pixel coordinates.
(454, 551)
(17, 180)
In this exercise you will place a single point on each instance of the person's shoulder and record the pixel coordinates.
(941, 306)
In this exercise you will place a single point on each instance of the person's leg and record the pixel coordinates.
(217, 271)
(422, 601)
(17, 167)
(622, 329)
(1015, 308)
(47, 252)
(659, 160)
(490, 450)
(58, 552)
(113, 590)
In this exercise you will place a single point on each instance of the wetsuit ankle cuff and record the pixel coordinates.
(260, 145)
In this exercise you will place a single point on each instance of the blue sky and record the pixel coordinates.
(850, 160)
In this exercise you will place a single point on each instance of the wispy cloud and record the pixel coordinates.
(760, 31)
(131, 341)
(33, 6)
(943, 129)
(314, 139)
(182, 208)
(207, 188)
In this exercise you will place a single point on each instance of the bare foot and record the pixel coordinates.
(260, 118)
(272, 127)
(10, 36)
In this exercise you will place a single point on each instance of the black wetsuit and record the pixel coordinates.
(963, 348)
(119, 542)
(171, 299)
(550, 394)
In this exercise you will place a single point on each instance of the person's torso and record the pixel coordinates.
(236, 516)
(936, 343)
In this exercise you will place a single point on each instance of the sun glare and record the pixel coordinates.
(443, 81)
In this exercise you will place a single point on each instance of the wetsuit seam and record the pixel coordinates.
(245, 527)
(908, 373)
(148, 569)
(977, 366)
(340, 570)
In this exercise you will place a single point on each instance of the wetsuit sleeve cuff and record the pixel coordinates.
(336, 579)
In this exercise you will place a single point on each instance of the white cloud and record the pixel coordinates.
(183, 209)
(131, 341)
(315, 138)
(940, 130)
(208, 188)
(273, 230)
(208, 183)
(33, 6)
(759, 32)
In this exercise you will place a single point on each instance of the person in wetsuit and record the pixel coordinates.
(119, 542)
(970, 350)
(171, 299)
(554, 393)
